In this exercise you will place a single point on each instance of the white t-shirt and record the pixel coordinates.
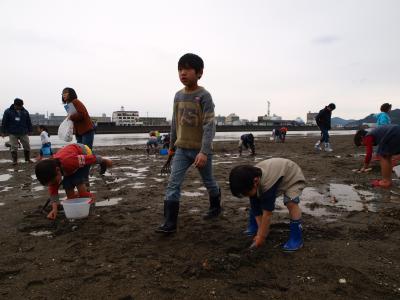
(44, 137)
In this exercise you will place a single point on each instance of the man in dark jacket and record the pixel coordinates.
(324, 123)
(17, 125)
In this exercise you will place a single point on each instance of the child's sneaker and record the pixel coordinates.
(317, 146)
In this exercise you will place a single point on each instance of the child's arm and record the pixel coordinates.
(263, 222)
(368, 142)
(80, 112)
(172, 139)
(208, 124)
(54, 198)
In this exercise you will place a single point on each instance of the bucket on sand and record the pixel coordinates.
(76, 208)
(164, 151)
(396, 169)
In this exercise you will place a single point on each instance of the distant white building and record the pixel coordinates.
(126, 117)
(274, 117)
(232, 119)
(311, 118)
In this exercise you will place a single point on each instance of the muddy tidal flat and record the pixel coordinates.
(351, 233)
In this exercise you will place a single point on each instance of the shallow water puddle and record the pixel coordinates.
(137, 185)
(159, 179)
(192, 194)
(349, 198)
(38, 188)
(222, 162)
(2, 203)
(194, 210)
(202, 188)
(136, 175)
(5, 177)
(6, 189)
(116, 180)
(40, 233)
(109, 202)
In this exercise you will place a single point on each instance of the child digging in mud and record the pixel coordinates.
(69, 166)
(387, 138)
(262, 183)
(192, 133)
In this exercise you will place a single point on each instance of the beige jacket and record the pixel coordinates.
(293, 181)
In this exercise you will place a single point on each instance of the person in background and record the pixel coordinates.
(387, 138)
(45, 150)
(152, 142)
(247, 141)
(383, 117)
(17, 125)
(323, 120)
(283, 132)
(78, 114)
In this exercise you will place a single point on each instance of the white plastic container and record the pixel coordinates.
(76, 208)
(396, 169)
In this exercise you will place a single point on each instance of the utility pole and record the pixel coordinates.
(269, 105)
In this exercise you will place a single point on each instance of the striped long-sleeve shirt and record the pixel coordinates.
(193, 120)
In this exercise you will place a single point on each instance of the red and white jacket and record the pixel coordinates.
(72, 158)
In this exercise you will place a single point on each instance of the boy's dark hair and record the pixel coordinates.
(385, 107)
(71, 94)
(191, 61)
(360, 134)
(332, 106)
(18, 102)
(46, 170)
(241, 179)
(44, 128)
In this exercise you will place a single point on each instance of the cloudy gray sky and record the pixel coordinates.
(298, 54)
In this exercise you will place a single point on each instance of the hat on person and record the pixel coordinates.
(18, 102)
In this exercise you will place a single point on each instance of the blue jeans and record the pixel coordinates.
(182, 161)
(86, 138)
(324, 135)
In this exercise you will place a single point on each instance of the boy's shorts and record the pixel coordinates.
(79, 177)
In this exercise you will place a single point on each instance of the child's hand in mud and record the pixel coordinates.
(258, 242)
(52, 214)
(200, 161)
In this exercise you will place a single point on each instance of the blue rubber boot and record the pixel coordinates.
(252, 226)
(295, 241)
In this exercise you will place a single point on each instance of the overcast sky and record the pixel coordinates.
(300, 55)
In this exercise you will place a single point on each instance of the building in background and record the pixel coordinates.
(220, 120)
(311, 118)
(38, 119)
(154, 121)
(232, 119)
(102, 119)
(126, 117)
(54, 120)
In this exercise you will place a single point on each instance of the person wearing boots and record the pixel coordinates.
(323, 120)
(192, 133)
(262, 183)
(247, 141)
(17, 125)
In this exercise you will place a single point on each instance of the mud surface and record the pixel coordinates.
(351, 232)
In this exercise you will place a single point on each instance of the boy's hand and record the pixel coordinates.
(104, 165)
(200, 161)
(258, 241)
(52, 215)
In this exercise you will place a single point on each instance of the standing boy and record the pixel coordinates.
(324, 123)
(192, 133)
(262, 183)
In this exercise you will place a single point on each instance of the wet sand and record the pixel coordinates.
(351, 233)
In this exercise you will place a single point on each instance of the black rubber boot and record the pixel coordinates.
(171, 211)
(215, 207)
(27, 155)
(14, 156)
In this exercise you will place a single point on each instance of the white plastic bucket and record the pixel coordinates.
(76, 208)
